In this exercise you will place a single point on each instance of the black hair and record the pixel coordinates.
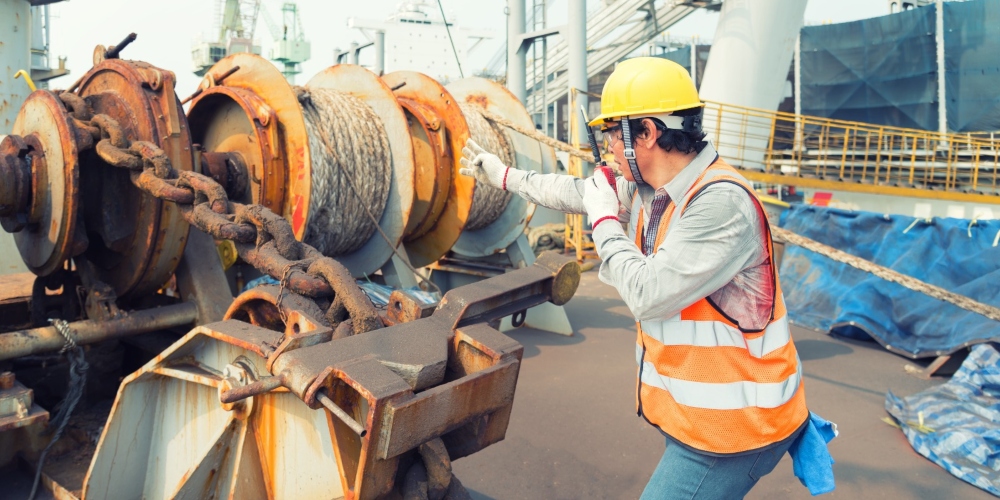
(689, 140)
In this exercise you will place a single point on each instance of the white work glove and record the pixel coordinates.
(487, 168)
(600, 200)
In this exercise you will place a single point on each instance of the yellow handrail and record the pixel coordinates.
(27, 78)
(853, 156)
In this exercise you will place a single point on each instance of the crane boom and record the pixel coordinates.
(237, 22)
(290, 44)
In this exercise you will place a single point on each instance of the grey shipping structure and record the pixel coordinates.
(884, 70)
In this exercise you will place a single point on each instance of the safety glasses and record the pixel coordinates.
(612, 135)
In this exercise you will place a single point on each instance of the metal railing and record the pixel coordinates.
(785, 148)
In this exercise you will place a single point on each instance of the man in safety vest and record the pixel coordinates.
(718, 372)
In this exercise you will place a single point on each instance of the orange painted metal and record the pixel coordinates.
(237, 121)
(434, 236)
(432, 167)
(272, 123)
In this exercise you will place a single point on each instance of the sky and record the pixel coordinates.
(166, 34)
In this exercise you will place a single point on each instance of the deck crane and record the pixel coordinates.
(290, 45)
(237, 20)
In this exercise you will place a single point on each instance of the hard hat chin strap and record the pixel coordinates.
(630, 152)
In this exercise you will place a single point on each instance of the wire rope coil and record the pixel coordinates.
(338, 223)
(488, 203)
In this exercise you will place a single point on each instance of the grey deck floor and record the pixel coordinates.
(574, 434)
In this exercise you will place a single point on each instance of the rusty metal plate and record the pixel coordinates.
(168, 435)
(368, 87)
(528, 155)
(436, 240)
(47, 242)
(235, 120)
(261, 78)
(136, 241)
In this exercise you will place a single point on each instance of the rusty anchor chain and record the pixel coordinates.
(262, 238)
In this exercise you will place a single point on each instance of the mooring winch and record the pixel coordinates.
(297, 390)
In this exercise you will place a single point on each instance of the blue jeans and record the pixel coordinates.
(683, 474)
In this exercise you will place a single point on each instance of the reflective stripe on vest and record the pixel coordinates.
(722, 396)
(703, 380)
(676, 331)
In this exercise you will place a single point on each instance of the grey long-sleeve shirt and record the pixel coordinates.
(716, 249)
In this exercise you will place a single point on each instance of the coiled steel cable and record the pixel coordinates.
(337, 222)
(488, 203)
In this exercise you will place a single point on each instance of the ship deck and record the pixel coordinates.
(574, 433)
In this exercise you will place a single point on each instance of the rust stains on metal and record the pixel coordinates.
(262, 386)
(437, 463)
(267, 259)
(421, 392)
(274, 123)
(348, 297)
(50, 138)
(150, 235)
(47, 339)
(273, 225)
(263, 306)
(432, 167)
(403, 308)
(478, 99)
(235, 121)
(15, 190)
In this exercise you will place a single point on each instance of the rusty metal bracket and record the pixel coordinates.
(403, 308)
(208, 82)
(101, 301)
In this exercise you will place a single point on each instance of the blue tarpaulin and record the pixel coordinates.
(957, 425)
(825, 295)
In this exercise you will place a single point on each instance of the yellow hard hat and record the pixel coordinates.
(644, 86)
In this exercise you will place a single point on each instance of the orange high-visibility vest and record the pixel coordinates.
(702, 379)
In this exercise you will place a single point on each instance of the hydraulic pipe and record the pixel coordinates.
(576, 41)
(380, 52)
(939, 51)
(47, 339)
(516, 50)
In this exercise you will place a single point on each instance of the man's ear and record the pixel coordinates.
(651, 135)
